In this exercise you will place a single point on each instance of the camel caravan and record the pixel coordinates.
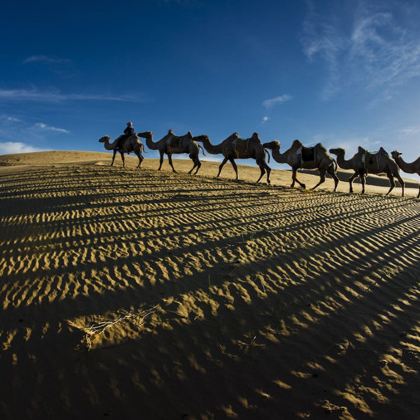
(297, 156)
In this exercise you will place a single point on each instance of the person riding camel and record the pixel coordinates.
(128, 132)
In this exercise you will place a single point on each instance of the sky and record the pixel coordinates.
(341, 72)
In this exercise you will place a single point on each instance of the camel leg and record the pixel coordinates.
(401, 181)
(141, 158)
(363, 179)
(122, 157)
(294, 179)
(113, 157)
(268, 169)
(198, 167)
(221, 166)
(160, 160)
(262, 169)
(194, 165)
(170, 162)
(235, 168)
(331, 171)
(321, 179)
(355, 175)
(418, 195)
(391, 182)
(196, 162)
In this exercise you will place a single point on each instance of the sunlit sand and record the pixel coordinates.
(145, 294)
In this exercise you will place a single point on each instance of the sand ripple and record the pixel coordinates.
(269, 302)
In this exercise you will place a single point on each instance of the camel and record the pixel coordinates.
(233, 147)
(356, 163)
(364, 162)
(410, 168)
(131, 144)
(298, 156)
(379, 163)
(171, 144)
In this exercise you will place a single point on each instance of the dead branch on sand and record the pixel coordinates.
(138, 316)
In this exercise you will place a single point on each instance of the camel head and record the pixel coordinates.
(202, 137)
(145, 134)
(395, 154)
(337, 151)
(104, 139)
(272, 145)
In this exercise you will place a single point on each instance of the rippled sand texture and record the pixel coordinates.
(263, 302)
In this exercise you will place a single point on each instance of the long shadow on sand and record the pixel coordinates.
(307, 319)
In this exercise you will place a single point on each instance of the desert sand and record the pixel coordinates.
(141, 294)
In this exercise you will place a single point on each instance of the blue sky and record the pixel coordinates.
(345, 73)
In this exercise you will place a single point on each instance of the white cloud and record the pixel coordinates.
(270, 103)
(45, 127)
(57, 96)
(11, 147)
(265, 119)
(45, 59)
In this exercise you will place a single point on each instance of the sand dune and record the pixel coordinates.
(210, 298)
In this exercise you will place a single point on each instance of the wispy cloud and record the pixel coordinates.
(46, 127)
(270, 103)
(265, 119)
(36, 95)
(12, 147)
(372, 50)
(410, 131)
(348, 143)
(46, 59)
(321, 38)
(9, 119)
(388, 54)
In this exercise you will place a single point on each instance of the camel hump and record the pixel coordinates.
(255, 137)
(189, 134)
(170, 131)
(297, 143)
(320, 147)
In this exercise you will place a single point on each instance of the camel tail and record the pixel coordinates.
(202, 149)
(268, 155)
